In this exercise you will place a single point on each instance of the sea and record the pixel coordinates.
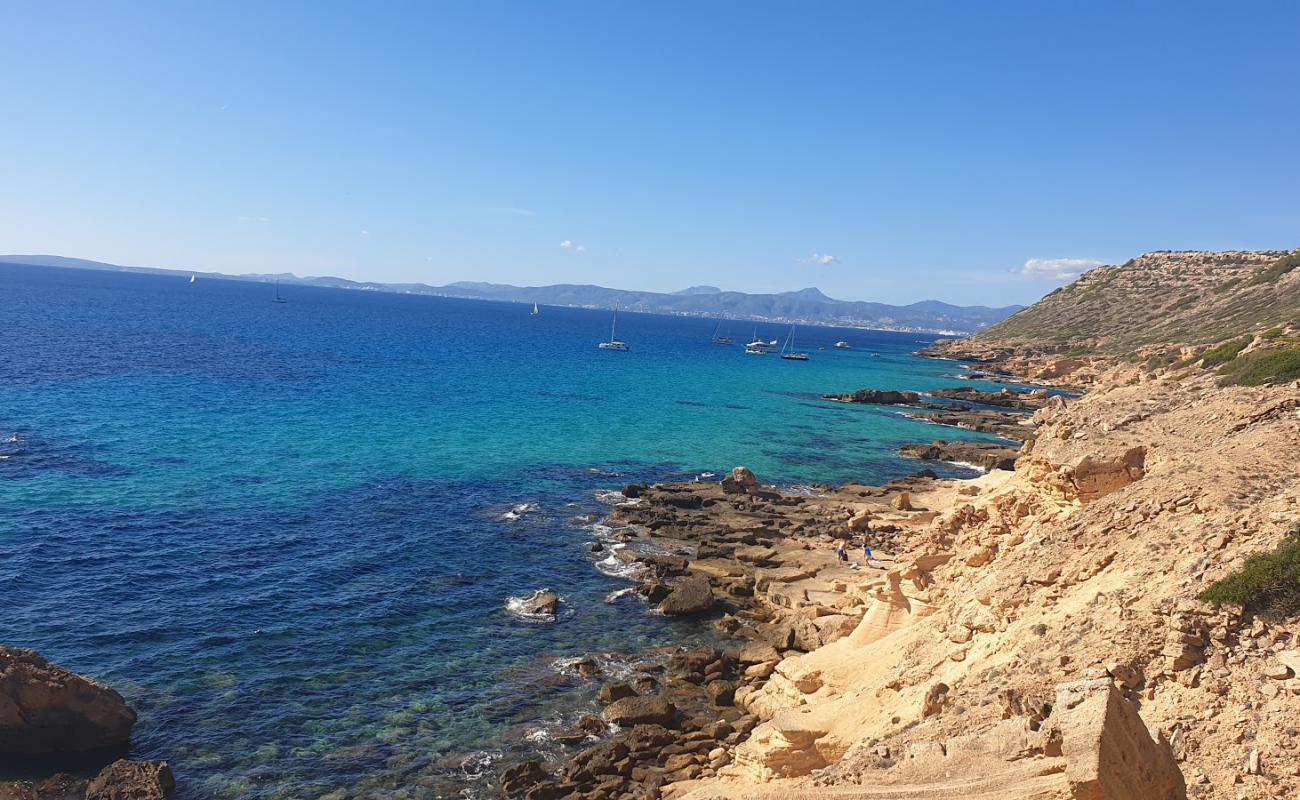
(290, 534)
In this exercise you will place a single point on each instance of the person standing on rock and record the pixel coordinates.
(841, 553)
(866, 550)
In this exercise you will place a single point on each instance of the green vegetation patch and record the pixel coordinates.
(1276, 270)
(1227, 285)
(1272, 333)
(1185, 302)
(1267, 583)
(1278, 365)
(1225, 352)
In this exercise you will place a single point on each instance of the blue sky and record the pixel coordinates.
(890, 152)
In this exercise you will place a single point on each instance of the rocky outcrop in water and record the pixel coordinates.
(541, 603)
(879, 397)
(985, 455)
(45, 708)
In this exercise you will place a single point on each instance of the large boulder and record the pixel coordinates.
(1109, 753)
(132, 780)
(654, 710)
(692, 595)
(740, 481)
(521, 777)
(44, 708)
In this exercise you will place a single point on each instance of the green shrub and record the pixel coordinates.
(1276, 270)
(1265, 366)
(1225, 352)
(1267, 582)
(1226, 285)
(1185, 302)
(1272, 333)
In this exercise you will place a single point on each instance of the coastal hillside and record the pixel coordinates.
(1116, 617)
(804, 307)
(1187, 297)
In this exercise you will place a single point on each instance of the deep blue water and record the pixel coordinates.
(277, 529)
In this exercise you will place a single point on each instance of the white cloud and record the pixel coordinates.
(820, 259)
(1057, 269)
(569, 244)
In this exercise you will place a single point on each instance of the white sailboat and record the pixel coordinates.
(192, 278)
(535, 311)
(788, 351)
(613, 343)
(278, 298)
(759, 347)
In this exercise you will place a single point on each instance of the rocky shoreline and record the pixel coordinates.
(50, 713)
(1033, 633)
(764, 566)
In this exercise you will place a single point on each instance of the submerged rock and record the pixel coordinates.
(45, 708)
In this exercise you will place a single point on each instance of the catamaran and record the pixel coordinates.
(842, 345)
(613, 343)
(787, 350)
(719, 339)
(278, 298)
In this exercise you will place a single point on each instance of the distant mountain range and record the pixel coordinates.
(803, 307)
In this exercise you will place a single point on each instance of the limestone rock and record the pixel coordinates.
(44, 708)
(521, 777)
(693, 595)
(740, 481)
(641, 711)
(132, 780)
(1109, 753)
(935, 697)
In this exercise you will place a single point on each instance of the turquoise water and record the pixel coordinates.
(277, 529)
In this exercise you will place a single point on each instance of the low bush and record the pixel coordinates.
(1227, 285)
(1224, 352)
(1276, 270)
(1278, 365)
(1272, 333)
(1267, 583)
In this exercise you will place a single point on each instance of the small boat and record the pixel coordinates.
(843, 345)
(760, 347)
(719, 339)
(278, 298)
(613, 343)
(535, 311)
(788, 351)
(192, 278)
